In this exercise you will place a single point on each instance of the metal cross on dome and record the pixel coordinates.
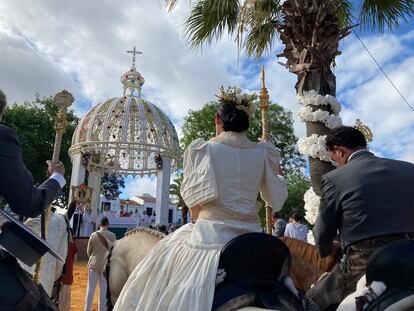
(134, 52)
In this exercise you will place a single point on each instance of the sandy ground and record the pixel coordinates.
(80, 280)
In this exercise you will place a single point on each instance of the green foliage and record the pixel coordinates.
(252, 21)
(178, 199)
(34, 123)
(298, 184)
(200, 124)
(111, 184)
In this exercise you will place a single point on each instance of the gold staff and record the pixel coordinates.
(62, 100)
(264, 107)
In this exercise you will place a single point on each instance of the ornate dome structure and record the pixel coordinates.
(126, 134)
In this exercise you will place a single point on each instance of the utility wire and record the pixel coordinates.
(385, 74)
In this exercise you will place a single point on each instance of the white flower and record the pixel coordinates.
(306, 114)
(239, 98)
(312, 202)
(237, 90)
(315, 147)
(315, 99)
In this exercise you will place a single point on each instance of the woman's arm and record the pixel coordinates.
(195, 211)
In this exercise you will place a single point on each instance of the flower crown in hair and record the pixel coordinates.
(240, 101)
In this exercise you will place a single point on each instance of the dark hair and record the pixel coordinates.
(234, 119)
(3, 102)
(345, 136)
(104, 221)
(296, 217)
(276, 214)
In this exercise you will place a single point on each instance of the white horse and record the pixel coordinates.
(57, 236)
(127, 252)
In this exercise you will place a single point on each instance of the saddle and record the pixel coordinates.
(392, 264)
(18, 291)
(255, 265)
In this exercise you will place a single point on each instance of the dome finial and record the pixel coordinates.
(134, 52)
(132, 79)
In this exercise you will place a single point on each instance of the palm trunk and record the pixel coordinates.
(310, 32)
(317, 81)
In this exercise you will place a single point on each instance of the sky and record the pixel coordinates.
(50, 45)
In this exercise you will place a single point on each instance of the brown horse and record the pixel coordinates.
(307, 265)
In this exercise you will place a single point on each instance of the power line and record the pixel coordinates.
(382, 70)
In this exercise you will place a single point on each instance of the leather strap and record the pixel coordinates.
(103, 240)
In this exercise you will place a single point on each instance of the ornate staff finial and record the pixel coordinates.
(262, 76)
(364, 129)
(134, 52)
(264, 107)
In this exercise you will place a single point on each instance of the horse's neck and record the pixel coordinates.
(56, 236)
(127, 250)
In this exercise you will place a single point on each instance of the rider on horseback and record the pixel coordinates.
(368, 199)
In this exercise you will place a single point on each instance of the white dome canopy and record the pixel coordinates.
(126, 134)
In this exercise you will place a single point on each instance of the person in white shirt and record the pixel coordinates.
(88, 223)
(294, 229)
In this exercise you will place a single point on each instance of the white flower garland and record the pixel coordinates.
(310, 238)
(306, 114)
(315, 147)
(315, 99)
(312, 202)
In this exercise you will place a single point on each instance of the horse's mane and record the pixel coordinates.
(152, 232)
(309, 253)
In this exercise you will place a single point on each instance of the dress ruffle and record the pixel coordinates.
(187, 282)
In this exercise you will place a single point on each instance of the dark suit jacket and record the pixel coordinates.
(16, 182)
(368, 197)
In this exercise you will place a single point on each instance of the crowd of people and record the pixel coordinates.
(366, 203)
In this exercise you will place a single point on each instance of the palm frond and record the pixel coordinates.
(382, 14)
(345, 11)
(257, 19)
(170, 5)
(211, 19)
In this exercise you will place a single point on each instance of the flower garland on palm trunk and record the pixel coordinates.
(314, 145)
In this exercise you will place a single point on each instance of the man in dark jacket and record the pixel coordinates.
(367, 199)
(16, 182)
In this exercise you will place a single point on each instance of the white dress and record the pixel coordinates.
(224, 176)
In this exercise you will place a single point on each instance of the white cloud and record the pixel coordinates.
(80, 46)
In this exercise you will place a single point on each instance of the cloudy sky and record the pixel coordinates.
(49, 45)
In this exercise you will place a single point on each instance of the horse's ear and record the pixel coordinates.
(71, 209)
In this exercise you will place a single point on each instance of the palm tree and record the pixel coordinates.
(309, 29)
(175, 191)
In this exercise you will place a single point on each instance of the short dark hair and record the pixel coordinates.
(104, 221)
(276, 214)
(3, 102)
(296, 217)
(234, 119)
(345, 136)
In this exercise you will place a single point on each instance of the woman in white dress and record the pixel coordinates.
(222, 178)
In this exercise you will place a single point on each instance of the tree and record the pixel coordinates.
(179, 201)
(111, 184)
(309, 29)
(34, 123)
(200, 124)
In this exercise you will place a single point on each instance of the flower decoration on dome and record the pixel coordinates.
(240, 101)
